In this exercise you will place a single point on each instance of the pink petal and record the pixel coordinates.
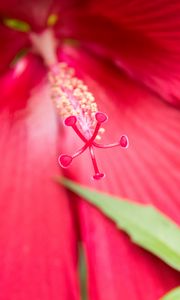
(37, 231)
(17, 82)
(11, 42)
(141, 37)
(147, 172)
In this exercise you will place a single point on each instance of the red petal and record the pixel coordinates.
(34, 12)
(17, 83)
(141, 37)
(10, 43)
(147, 172)
(37, 234)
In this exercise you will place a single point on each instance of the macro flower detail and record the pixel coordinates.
(65, 160)
(117, 57)
(73, 101)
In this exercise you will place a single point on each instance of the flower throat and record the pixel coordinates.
(79, 110)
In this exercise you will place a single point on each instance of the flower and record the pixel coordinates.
(128, 56)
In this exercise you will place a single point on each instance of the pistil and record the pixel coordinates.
(74, 103)
(65, 160)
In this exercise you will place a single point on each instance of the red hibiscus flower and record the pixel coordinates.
(127, 53)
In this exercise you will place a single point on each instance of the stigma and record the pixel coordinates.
(79, 110)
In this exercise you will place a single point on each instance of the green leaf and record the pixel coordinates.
(146, 226)
(172, 295)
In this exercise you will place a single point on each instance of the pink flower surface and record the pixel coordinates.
(127, 53)
(37, 241)
(147, 173)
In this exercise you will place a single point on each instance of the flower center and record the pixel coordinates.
(74, 102)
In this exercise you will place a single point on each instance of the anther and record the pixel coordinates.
(72, 97)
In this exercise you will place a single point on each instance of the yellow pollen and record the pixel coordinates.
(71, 96)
